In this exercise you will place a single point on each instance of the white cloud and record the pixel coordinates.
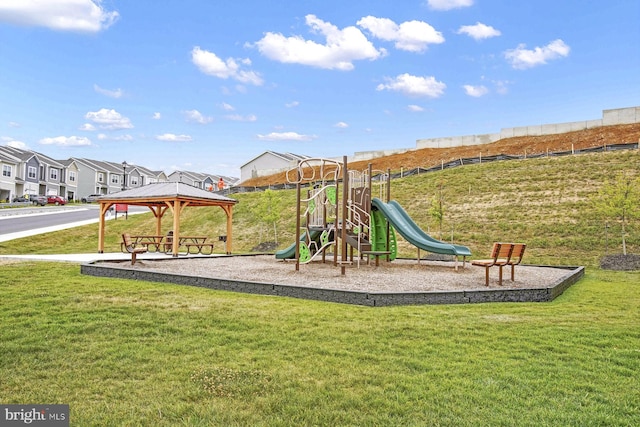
(412, 36)
(66, 141)
(156, 116)
(173, 138)
(479, 31)
(209, 63)
(14, 124)
(502, 86)
(240, 118)
(414, 85)
(104, 137)
(14, 143)
(108, 119)
(227, 107)
(110, 93)
(87, 127)
(521, 58)
(197, 117)
(341, 125)
(292, 104)
(60, 15)
(286, 136)
(341, 48)
(476, 91)
(415, 108)
(449, 4)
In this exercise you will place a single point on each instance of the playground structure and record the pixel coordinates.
(339, 212)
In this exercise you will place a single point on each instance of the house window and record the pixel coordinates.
(134, 180)
(53, 174)
(115, 179)
(31, 172)
(100, 177)
(72, 176)
(6, 170)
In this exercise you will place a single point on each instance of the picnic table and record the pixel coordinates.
(158, 243)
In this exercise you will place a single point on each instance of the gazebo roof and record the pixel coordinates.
(158, 193)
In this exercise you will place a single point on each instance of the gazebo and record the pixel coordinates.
(159, 197)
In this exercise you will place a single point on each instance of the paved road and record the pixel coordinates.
(29, 221)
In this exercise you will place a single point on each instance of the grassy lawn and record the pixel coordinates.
(123, 352)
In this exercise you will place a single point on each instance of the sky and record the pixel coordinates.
(207, 86)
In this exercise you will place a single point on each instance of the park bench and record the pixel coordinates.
(502, 254)
(131, 247)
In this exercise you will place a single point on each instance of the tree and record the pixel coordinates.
(436, 210)
(268, 210)
(620, 200)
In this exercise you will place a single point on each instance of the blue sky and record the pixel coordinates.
(207, 85)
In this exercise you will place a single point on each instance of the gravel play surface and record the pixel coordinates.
(397, 276)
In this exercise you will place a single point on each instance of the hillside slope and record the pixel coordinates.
(428, 157)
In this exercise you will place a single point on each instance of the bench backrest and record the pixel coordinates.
(128, 243)
(502, 250)
(518, 253)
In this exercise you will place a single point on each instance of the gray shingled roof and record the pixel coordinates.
(163, 190)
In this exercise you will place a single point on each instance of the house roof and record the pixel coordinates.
(289, 157)
(158, 193)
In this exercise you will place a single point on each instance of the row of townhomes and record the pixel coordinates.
(26, 172)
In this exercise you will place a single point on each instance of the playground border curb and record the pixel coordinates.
(371, 299)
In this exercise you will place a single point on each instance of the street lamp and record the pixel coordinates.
(124, 175)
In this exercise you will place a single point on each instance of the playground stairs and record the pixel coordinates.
(358, 242)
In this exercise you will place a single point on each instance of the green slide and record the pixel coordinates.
(402, 222)
(379, 235)
(290, 251)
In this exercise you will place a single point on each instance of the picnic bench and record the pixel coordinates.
(192, 244)
(197, 244)
(151, 242)
(502, 254)
(132, 247)
(158, 243)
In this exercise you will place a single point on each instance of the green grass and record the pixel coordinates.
(123, 352)
(546, 203)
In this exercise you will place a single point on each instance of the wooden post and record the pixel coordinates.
(297, 234)
(345, 194)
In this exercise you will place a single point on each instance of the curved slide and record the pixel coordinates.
(290, 251)
(402, 222)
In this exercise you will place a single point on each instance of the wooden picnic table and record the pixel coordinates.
(151, 242)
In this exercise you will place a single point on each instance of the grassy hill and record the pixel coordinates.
(544, 202)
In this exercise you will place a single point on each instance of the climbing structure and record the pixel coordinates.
(334, 213)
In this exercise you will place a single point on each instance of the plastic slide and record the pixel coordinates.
(290, 251)
(402, 222)
(379, 235)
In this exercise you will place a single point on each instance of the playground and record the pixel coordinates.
(348, 227)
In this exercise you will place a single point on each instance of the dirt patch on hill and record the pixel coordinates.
(529, 145)
(620, 262)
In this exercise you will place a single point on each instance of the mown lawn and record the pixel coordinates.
(122, 352)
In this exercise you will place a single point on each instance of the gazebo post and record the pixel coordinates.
(177, 207)
(101, 227)
(229, 212)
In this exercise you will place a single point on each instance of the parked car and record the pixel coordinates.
(91, 198)
(56, 200)
(19, 199)
(37, 199)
